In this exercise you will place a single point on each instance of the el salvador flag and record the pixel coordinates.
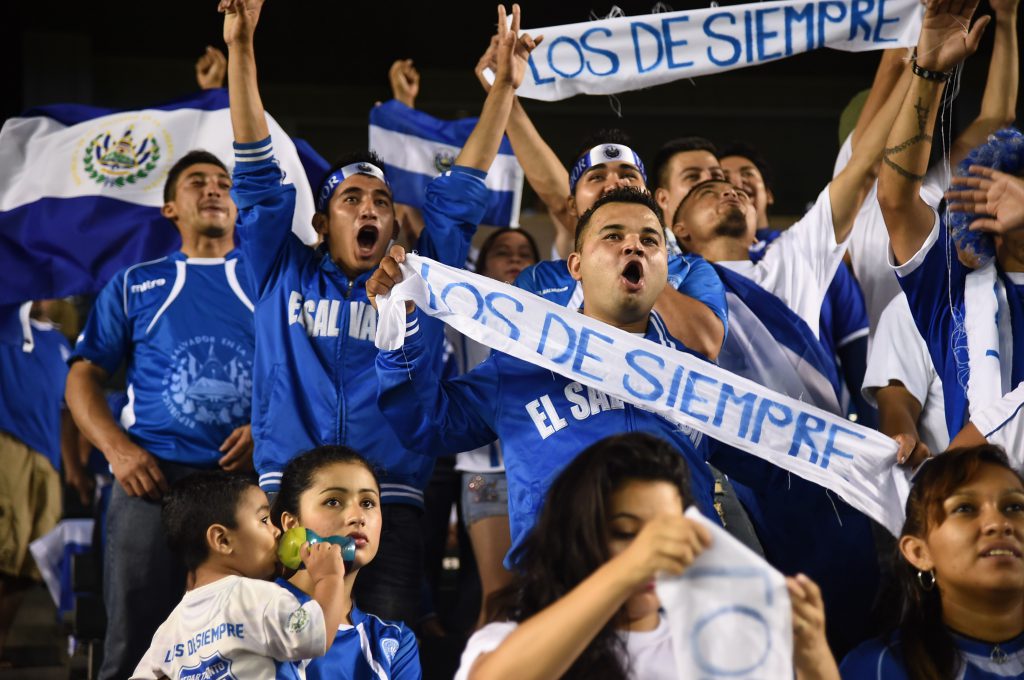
(417, 147)
(81, 188)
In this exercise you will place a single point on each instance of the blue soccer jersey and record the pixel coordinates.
(368, 649)
(883, 660)
(185, 326)
(32, 376)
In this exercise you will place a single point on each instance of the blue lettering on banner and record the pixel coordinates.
(653, 32)
(748, 34)
(513, 330)
(859, 14)
(763, 34)
(613, 59)
(656, 389)
(777, 414)
(569, 338)
(728, 395)
(716, 60)
(806, 424)
(792, 16)
(825, 17)
(830, 444)
(690, 397)
(671, 43)
(477, 298)
(537, 80)
(881, 22)
(582, 353)
(563, 40)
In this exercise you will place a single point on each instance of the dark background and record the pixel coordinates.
(323, 64)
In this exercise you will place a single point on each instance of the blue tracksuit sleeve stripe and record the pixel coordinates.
(433, 418)
(455, 204)
(265, 208)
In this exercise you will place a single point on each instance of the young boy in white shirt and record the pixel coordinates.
(232, 623)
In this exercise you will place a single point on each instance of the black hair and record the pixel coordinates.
(193, 157)
(570, 539)
(485, 247)
(602, 136)
(693, 192)
(298, 476)
(194, 504)
(669, 149)
(928, 648)
(740, 148)
(618, 195)
(349, 159)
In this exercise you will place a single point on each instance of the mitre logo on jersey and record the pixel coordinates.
(209, 382)
(125, 152)
(215, 667)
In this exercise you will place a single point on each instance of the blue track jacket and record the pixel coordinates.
(543, 419)
(315, 381)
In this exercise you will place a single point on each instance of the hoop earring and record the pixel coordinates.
(926, 579)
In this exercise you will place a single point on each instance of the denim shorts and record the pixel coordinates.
(484, 494)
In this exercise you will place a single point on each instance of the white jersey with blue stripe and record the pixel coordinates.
(185, 327)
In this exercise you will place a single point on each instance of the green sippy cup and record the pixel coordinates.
(292, 540)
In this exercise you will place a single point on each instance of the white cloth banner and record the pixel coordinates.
(630, 53)
(855, 462)
(729, 613)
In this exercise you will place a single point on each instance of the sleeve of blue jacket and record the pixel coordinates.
(265, 208)
(697, 279)
(430, 417)
(106, 339)
(454, 205)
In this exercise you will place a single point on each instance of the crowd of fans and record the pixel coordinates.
(862, 308)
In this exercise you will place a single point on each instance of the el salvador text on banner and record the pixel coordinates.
(631, 53)
(856, 462)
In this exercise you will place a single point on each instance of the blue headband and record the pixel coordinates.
(604, 153)
(327, 187)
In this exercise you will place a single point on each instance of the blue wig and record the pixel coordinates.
(1003, 151)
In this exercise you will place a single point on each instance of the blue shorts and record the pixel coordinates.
(484, 494)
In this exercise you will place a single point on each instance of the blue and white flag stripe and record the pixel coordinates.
(81, 188)
(417, 147)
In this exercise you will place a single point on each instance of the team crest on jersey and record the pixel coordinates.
(126, 151)
(209, 382)
(298, 620)
(389, 646)
(215, 667)
(443, 161)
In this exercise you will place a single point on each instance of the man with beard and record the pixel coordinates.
(314, 380)
(621, 261)
(184, 323)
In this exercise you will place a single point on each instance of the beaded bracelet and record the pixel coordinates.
(934, 76)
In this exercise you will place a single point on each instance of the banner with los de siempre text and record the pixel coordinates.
(856, 462)
(630, 53)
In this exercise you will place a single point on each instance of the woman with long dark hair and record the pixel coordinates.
(960, 570)
(583, 604)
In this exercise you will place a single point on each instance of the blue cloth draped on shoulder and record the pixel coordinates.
(81, 188)
(416, 148)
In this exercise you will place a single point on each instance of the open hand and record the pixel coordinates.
(240, 19)
(996, 194)
(211, 69)
(945, 40)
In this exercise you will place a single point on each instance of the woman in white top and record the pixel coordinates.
(583, 604)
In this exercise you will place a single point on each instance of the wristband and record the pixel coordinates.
(934, 76)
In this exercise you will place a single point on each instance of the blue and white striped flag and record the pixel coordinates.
(417, 147)
(81, 188)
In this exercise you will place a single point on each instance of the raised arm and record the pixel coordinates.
(546, 644)
(891, 66)
(998, 103)
(512, 53)
(944, 42)
(248, 119)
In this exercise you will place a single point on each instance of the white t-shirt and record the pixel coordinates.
(898, 352)
(650, 655)
(467, 353)
(869, 240)
(799, 265)
(234, 627)
(1002, 424)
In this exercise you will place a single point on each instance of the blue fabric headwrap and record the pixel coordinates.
(331, 182)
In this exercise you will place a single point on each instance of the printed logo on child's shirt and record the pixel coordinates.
(298, 620)
(215, 667)
(390, 647)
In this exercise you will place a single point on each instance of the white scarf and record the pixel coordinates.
(989, 338)
(855, 462)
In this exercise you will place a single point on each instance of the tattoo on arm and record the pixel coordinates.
(922, 112)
